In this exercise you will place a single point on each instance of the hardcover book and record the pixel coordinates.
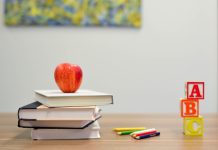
(56, 98)
(56, 124)
(90, 132)
(38, 111)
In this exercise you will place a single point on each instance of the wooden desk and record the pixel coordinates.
(170, 126)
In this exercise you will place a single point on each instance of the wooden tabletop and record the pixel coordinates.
(170, 126)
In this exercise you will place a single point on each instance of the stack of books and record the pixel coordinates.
(58, 115)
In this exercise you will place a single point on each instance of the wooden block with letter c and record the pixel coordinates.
(193, 125)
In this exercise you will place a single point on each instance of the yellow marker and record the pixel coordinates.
(129, 129)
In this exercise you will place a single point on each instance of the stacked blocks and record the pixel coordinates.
(193, 123)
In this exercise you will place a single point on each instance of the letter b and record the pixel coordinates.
(189, 108)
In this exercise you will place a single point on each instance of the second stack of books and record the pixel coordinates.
(57, 115)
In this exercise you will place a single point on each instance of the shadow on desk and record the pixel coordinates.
(23, 135)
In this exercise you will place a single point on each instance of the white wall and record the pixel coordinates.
(145, 69)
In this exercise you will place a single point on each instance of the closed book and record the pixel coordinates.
(90, 132)
(56, 98)
(38, 111)
(55, 124)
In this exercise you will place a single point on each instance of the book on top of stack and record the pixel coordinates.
(58, 115)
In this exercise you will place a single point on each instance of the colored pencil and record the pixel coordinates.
(129, 129)
(141, 134)
(147, 136)
(150, 131)
(125, 132)
(143, 131)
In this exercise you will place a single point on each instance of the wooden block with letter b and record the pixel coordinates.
(189, 108)
(193, 125)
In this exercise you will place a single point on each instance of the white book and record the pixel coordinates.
(55, 124)
(38, 111)
(56, 98)
(91, 132)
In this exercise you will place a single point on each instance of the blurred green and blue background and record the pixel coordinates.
(73, 12)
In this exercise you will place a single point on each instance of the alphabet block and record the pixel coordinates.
(193, 126)
(195, 90)
(189, 108)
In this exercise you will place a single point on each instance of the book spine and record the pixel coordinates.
(18, 113)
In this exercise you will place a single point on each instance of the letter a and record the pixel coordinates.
(195, 90)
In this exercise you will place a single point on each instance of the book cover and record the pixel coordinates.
(55, 124)
(38, 111)
(90, 132)
(56, 98)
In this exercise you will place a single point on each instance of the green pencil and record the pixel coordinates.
(126, 132)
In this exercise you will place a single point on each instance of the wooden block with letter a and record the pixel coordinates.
(193, 125)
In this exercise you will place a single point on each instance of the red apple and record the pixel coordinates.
(68, 77)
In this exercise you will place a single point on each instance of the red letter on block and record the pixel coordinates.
(189, 108)
(195, 90)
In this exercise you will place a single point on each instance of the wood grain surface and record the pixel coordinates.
(170, 126)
